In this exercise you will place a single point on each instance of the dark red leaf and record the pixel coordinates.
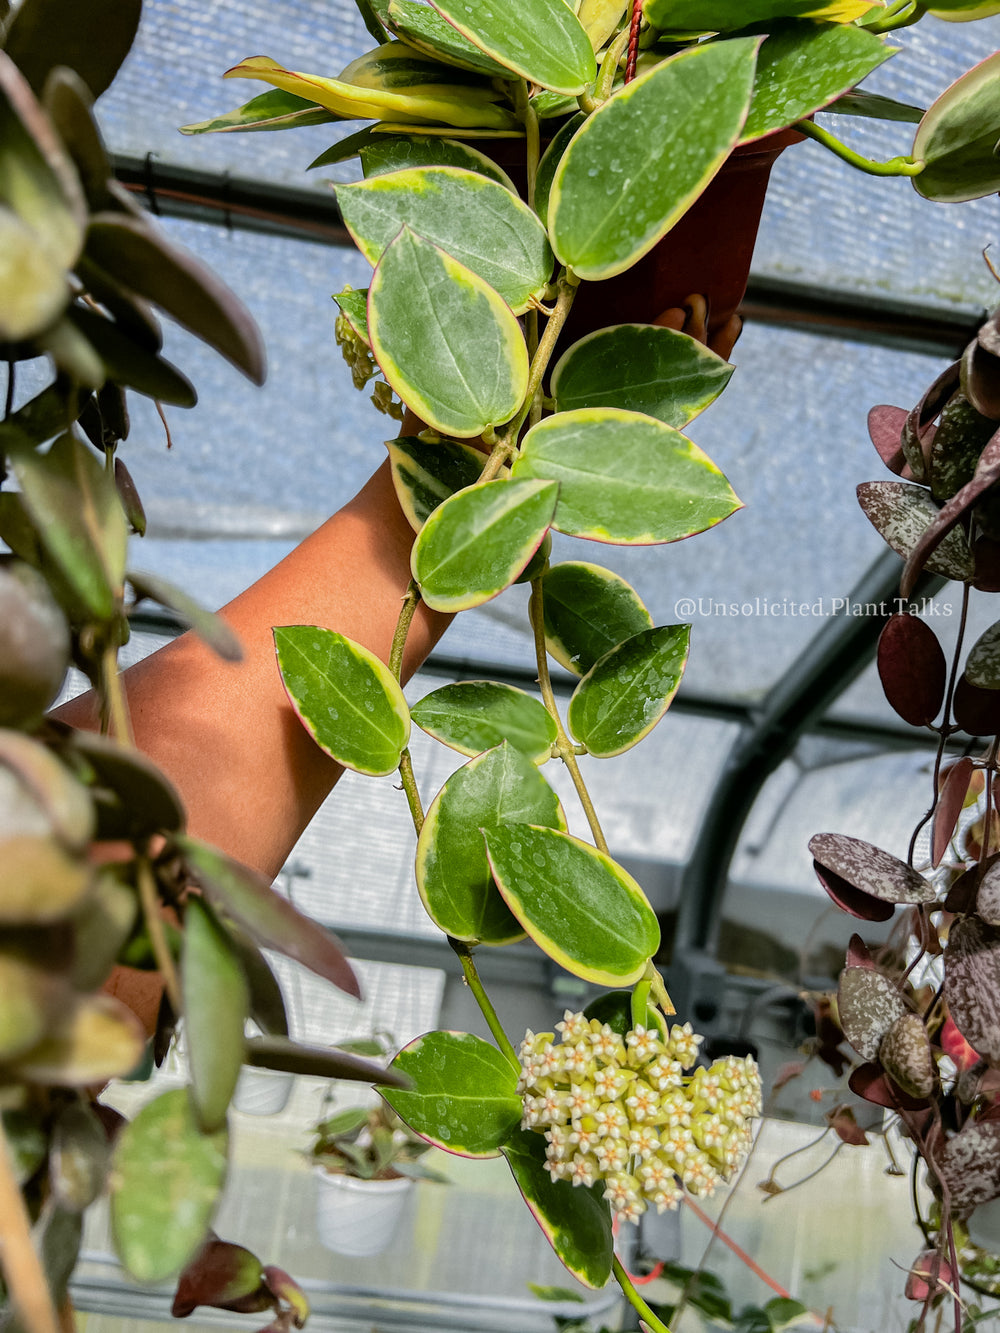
(851, 900)
(844, 1124)
(987, 474)
(988, 896)
(930, 1274)
(969, 1164)
(885, 426)
(869, 1004)
(962, 894)
(976, 710)
(986, 552)
(857, 953)
(871, 869)
(981, 379)
(950, 803)
(972, 984)
(912, 668)
(870, 1082)
(224, 1275)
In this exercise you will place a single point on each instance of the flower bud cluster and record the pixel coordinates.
(355, 352)
(630, 1112)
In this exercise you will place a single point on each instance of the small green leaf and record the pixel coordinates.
(209, 627)
(664, 374)
(347, 699)
(871, 106)
(402, 152)
(92, 39)
(580, 907)
(293, 1057)
(476, 221)
(79, 1158)
(39, 880)
(646, 155)
(725, 15)
(149, 801)
(445, 340)
(576, 1221)
(463, 1096)
(216, 1004)
(453, 874)
(354, 307)
(625, 478)
(94, 1039)
(625, 694)
(426, 30)
(33, 287)
(166, 1180)
(128, 363)
(546, 45)
(477, 542)
(783, 1311)
(240, 893)
(80, 520)
(425, 472)
(804, 66)
(957, 138)
(474, 715)
(275, 110)
(588, 611)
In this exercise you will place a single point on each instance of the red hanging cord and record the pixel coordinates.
(633, 40)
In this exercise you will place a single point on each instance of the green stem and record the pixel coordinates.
(411, 601)
(895, 166)
(526, 113)
(475, 984)
(115, 719)
(609, 66)
(157, 935)
(640, 1000)
(409, 782)
(564, 746)
(635, 1300)
(22, 1268)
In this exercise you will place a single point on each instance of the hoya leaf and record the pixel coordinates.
(33, 286)
(906, 1056)
(165, 1184)
(79, 1160)
(982, 666)
(868, 1004)
(430, 32)
(445, 340)
(546, 45)
(912, 668)
(976, 710)
(478, 541)
(240, 893)
(645, 156)
(276, 110)
(804, 66)
(293, 1057)
(347, 699)
(951, 802)
(580, 907)
(972, 984)
(395, 66)
(92, 39)
(664, 374)
(872, 106)
(901, 513)
(209, 627)
(587, 611)
(500, 787)
(224, 1275)
(550, 161)
(947, 520)
(958, 135)
(851, 899)
(49, 784)
(130, 364)
(425, 472)
(149, 801)
(402, 152)
(885, 426)
(625, 478)
(216, 1004)
(576, 1221)
(463, 1095)
(969, 1164)
(94, 1038)
(624, 695)
(871, 869)
(76, 510)
(476, 221)
(725, 15)
(354, 307)
(475, 715)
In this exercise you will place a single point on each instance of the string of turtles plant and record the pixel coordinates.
(472, 288)
(923, 1014)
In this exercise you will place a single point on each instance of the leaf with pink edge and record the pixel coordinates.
(972, 984)
(885, 426)
(855, 902)
(912, 668)
(903, 514)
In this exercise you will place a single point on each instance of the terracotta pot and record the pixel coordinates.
(708, 251)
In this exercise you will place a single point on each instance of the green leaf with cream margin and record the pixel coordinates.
(547, 44)
(625, 694)
(645, 156)
(348, 700)
(275, 110)
(428, 31)
(957, 138)
(403, 152)
(474, 715)
(724, 15)
(477, 542)
(471, 218)
(500, 787)
(642, 368)
(447, 343)
(624, 477)
(579, 906)
(576, 1219)
(426, 472)
(586, 611)
(464, 1095)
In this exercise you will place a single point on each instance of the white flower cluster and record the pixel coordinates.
(629, 1113)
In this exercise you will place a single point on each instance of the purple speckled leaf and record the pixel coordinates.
(961, 897)
(975, 710)
(988, 897)
(869, 1004)
(912, 668)
(853, 901)
(981, 379)
(951, 801)
(885, 426)
(969, 1164)
(870, 869)
(906, 1054)
(982, 667)
(972, 984)
(933, 538)
(902, 513)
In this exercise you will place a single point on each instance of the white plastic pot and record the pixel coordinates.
(262, 1091)
(358, 1217)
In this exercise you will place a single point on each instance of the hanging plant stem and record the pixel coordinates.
(894, 166)
(634, 1299)
(150, 901)
(475, 984)
(22, 1268)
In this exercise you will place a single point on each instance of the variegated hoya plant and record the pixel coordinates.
(619, 117)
